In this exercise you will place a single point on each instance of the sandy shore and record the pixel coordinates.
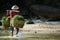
(40, 25)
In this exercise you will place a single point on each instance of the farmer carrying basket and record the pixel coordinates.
(11, 13)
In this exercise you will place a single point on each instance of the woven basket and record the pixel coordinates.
(18, 24)
(6, 24)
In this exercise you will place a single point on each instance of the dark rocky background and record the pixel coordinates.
(32, 8)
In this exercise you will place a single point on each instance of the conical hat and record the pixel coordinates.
(15, 7)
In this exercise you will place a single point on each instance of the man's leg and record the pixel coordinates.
(17, 30)
(12, 30)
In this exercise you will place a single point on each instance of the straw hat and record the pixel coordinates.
(15, 7)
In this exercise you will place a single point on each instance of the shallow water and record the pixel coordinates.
(36, 37)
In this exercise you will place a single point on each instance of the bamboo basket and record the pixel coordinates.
(18, 24)
(6, 24)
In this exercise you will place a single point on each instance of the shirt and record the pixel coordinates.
(11, 14)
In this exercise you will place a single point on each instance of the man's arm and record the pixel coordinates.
(8, 13)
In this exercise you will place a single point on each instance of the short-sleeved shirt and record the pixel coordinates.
(11, 14)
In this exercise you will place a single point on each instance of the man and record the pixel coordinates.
(11, 13)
